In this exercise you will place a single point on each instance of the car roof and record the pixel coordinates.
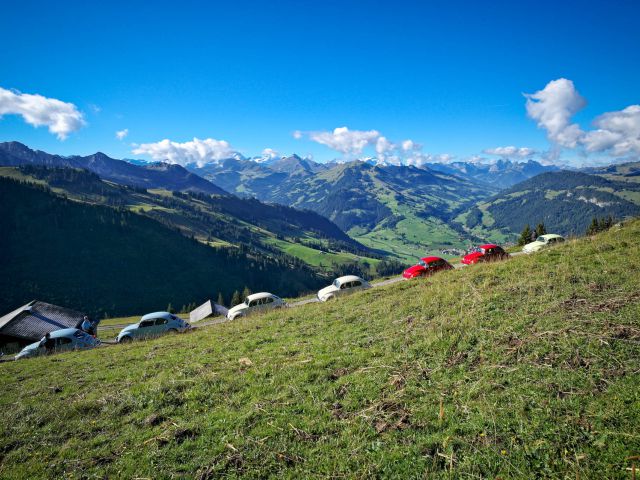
(489, 245)
(550, 235)
(153, 315)
(431, 259)
(349, 278)
(260, 295)
(65, 332)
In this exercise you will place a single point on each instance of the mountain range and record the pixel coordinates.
(152, 175)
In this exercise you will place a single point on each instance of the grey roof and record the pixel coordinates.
(33, 320)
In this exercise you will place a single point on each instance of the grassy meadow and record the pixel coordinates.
(527, 368)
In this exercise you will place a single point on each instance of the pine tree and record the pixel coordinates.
(602, 225)
(525, 236)
(541, 229)
(246, 292)
(609, 222)
(235, 299)
(592, 229)
(220, 299)
(170, 309)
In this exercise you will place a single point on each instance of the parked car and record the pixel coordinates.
(542, 241)
(62, 340)
(258, 302)
(485, 253)
(153, 325)
(342, 286)
(427, 266)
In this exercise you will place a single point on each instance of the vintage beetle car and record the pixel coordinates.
(543, 241)
(153, 325)
(427, 266)
(65, 339)
(258, 302)
(485, 253)
(342, 286)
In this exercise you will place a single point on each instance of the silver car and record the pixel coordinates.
(342, 286)
(153, 325)
(258, 302)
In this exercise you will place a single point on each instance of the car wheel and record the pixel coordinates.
(125, 339)
(173, 331)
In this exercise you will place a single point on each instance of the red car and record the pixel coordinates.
(485, 253)
(427, 266)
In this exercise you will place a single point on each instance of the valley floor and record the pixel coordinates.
(520, 369)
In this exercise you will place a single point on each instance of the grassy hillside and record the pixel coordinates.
(520, 369)
(106, 260)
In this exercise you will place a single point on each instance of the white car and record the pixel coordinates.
(342, 286)
(153, 325)
(541, 242)
(60, 340)
(258, 302)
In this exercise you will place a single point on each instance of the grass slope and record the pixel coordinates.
(520, 369)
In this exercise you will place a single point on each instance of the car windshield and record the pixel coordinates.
(246, 302)
(336, 283)
(422, 263)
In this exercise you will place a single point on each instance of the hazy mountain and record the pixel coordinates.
(501, 174)
(152, 175)
(565, 201)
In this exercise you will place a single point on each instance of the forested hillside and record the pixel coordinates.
(111, 261)
(565, 201)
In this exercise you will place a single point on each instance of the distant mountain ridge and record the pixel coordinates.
(153, 175)
(502, 173)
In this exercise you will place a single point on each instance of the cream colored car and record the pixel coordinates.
(258, 302)
(342, 286)
(541, 242)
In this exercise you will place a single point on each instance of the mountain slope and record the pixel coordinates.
(156, 175)
(564, 201)
(226, 221)
(400, 210)
(521, 369)
(106, 260)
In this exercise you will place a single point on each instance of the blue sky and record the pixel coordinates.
(449, 77)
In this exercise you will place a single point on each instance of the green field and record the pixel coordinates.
(527, 368)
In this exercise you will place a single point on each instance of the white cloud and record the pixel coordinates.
(120, 134)
(267, 155)
(383, 146)
(553, 107)
(297, 134)
(61, 118)
(196, 151)
(617, 132)
(343, 140)
(511, 152)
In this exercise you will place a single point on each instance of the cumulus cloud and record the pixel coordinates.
(267, 155)
(121, 134)
(343, 140)
(196, 151)
(61, 118)
(553, 107)
(617, 132)
(511, 152)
